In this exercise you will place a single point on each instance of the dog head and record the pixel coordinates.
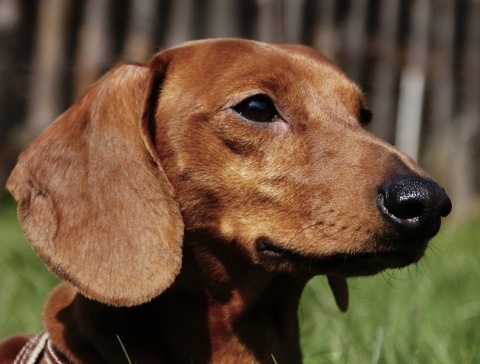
(261, 146)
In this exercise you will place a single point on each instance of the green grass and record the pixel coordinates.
(427, 313)
(24, 280)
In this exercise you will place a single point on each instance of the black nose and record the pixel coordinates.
(414, 205)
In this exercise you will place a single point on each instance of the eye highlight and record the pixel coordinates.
(258, 108)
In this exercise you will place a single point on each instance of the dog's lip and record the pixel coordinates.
(343, 263)
(268, 249)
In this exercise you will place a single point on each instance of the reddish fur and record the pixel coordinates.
(9, 348)
(152, 161)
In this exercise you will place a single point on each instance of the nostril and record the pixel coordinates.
(404, 209)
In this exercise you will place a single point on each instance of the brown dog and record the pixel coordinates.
(188, 201)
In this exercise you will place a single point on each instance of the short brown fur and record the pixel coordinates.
(151, 196)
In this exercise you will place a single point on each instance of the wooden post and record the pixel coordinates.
(326, 38)
(355, 40)
(139, 40)
(465, 162)
(222, 19)
(268, 26)
(48, 64)
(94, 55)
(386, 71)
(412, 81)
(180, 23)
(440, 141)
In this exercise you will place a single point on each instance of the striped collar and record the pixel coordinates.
(37, 348)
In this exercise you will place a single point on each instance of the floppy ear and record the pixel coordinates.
(94, 201)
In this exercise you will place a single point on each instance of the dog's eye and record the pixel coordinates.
(258, 108)
(364, 115)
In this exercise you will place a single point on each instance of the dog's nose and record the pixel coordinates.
(414, 204)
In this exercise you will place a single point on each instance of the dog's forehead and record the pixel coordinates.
(236, 65)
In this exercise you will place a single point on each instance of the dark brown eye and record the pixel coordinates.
(258, 108)
(365, 116)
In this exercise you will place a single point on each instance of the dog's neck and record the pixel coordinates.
(249, 309)
(216, 311)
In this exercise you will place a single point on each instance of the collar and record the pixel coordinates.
(37, 348)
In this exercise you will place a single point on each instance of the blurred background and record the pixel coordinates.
(417, 60)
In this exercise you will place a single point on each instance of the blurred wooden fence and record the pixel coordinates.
(417, 60)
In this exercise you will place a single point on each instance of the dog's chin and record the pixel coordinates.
(349, 264)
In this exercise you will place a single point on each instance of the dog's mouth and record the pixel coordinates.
(339, 266)
(342, 264)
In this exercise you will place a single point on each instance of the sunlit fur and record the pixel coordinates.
(187, 230)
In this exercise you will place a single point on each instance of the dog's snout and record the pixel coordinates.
(414, 204)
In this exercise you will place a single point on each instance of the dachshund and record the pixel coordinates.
(186, 202)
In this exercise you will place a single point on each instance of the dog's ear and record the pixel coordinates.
(94, 201)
